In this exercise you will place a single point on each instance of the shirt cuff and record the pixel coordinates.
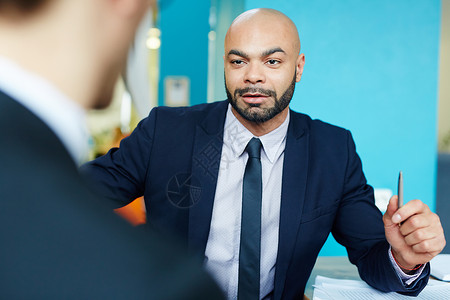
(406, 278)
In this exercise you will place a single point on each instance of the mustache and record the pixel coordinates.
(269, 93)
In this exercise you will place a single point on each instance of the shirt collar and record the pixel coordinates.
(236, 136)
(64, 117)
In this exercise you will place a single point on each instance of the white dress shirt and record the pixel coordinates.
(64, 117)
(222, 248)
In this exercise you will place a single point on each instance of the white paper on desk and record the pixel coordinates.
(321, 280)
(440, 267)
(330, 289)
(429, 293)
(320, 295)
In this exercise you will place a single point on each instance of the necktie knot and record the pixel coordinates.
(254, 148)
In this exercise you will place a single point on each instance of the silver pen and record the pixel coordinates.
(400, 189)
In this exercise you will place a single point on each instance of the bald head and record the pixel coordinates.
(269, 22)
(262, 64)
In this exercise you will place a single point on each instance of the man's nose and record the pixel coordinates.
(255, 74)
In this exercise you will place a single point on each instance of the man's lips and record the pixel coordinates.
(254, 98)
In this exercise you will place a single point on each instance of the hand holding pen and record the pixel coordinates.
(414, 232)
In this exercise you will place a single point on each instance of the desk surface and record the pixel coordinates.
(331, 266)
(338, 267)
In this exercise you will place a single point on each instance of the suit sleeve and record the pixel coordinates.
(359, 227)
(120, 174)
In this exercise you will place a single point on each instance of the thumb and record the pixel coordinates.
(390, 218)
(391, 228)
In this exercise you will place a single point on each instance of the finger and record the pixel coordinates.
(411, 208)
(430, 239)
(430, 246)
(420, 235)
(420, 221)
(392, 230)
(390, 211)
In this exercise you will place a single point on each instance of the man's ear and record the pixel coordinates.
(299, 66)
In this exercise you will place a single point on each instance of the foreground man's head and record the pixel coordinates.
(79, 46)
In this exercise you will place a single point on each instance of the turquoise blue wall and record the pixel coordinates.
(372, 67)
(184, 45)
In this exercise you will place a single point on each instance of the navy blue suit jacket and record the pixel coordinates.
(58, 241)
(173, 156)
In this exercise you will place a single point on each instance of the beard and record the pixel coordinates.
(263, 114)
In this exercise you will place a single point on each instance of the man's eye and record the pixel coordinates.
(237, 62)
(273, 61)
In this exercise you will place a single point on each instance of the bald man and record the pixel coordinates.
(220, 174)
(58, 58)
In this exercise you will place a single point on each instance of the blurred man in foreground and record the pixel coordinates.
(58, 58)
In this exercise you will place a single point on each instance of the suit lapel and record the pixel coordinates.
(295, 169)
(207, 152)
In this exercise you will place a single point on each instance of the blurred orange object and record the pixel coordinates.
(133, 212)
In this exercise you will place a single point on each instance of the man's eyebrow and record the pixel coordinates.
(238, 53)
(272, 51)
(264, 54)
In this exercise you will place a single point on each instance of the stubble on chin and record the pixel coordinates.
(258, 113)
